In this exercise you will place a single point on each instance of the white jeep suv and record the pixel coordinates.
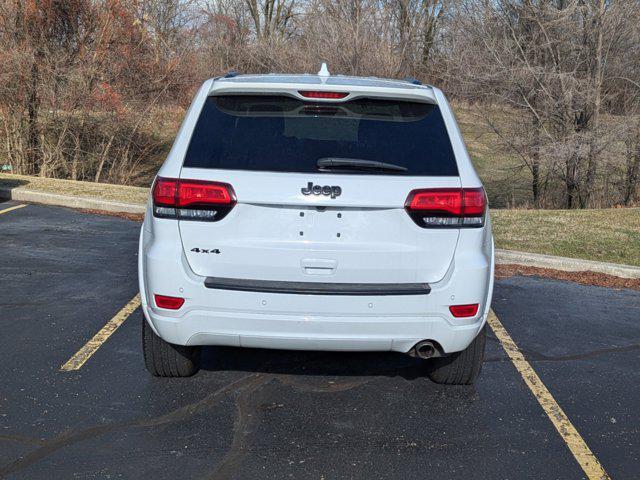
(317, 212)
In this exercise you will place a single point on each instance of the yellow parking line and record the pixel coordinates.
(15, 207)
(89, 348)
(581, 452)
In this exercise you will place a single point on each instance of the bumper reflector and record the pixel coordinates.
(170, 303)
(460, 311)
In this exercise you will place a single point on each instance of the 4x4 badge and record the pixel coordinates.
(205, 250)
(328, 190)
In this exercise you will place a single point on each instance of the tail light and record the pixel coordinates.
(192, 199)
(447, 207)
(170, 303)
(461, 311)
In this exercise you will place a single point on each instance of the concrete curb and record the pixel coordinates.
(565, 264)
(502, 256)
(26, 195)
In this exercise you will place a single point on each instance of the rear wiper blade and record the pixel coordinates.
(329, 163)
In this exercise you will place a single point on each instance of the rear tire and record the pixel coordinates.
(163, 359)
(460, 368)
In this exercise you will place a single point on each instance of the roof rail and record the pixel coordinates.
(231, 74)
(413, 80)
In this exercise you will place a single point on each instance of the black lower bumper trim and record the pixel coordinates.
(317, 288)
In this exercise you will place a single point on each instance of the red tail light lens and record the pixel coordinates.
(447, 207)
(192, 199)
(475, 202)
(461, 311)
(191, 192)
(170, 303)
(437, 200)
(165, 191)
(325, 95)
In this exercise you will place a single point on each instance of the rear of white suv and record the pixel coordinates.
(317, 212)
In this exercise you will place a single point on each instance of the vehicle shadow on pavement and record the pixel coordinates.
(312, 363)
(11, 183)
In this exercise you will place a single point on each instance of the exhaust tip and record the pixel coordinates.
(425, 349)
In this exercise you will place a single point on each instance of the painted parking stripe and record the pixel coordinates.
(10, 209)
(89, 348)
(581, 452)
(578, 447)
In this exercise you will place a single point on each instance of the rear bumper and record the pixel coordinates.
(308, 332)
(212, 316)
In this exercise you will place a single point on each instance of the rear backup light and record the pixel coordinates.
(170, 303)
(447, 207)
(325, 95)
(460, 311)
(192, 199)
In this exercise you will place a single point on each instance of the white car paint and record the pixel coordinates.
(275, 233)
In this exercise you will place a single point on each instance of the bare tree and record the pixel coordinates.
(270, 17)
(87, 84)
(547, 60)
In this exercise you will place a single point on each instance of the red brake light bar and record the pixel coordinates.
(325, 95)
(447, 207)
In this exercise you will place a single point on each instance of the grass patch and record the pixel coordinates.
(104, 191)
(607, 235)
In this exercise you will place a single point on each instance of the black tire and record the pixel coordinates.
(163, 359)
(460, 368)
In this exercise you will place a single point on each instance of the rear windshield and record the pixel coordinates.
(283, 134)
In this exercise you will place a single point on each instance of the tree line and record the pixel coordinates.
(87, 85)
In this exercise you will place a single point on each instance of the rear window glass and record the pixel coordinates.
(284, 134)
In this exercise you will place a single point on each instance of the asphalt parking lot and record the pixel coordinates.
(65, 274)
